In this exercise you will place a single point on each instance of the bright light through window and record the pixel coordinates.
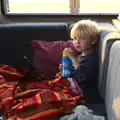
(63, 6)
(39, 6)
(99, 6)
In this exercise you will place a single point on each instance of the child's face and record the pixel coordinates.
(82, 44)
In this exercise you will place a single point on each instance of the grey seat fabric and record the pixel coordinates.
(107, 38)
(113, 79)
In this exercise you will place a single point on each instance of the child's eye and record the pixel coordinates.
(74, 38)
(80, 38)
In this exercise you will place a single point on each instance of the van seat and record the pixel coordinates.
(107, 38)
(15, 39)
(113, 79)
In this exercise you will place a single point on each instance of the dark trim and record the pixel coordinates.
(60, 15)
(2, 7)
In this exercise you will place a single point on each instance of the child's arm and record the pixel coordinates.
(116, 108)
(75, 63)
(86, 72)
(72, 56)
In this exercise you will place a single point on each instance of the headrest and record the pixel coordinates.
(45, 31)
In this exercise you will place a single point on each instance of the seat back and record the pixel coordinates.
(107, 38)
(15, 39)
(113, 79)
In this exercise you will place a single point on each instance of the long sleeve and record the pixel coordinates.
(87, 71)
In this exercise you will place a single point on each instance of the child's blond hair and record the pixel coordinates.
(86, 29)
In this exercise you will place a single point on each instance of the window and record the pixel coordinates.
(38, 6)
(61, 6)
(99, 6)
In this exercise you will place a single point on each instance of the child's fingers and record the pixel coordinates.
(66, 50)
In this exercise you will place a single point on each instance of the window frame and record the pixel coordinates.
(4, 8)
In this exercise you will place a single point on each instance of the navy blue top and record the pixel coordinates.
(86, 73)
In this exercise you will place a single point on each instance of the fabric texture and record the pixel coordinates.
(107, 38)
(40, 100)
(82, 113)
(47, 56)
(88, 69)
(112, 90)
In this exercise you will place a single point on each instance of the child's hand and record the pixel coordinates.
(70, 53)
(72, 56)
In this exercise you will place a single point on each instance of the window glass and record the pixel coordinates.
(99, 6)
(39, 6)
(62, 6)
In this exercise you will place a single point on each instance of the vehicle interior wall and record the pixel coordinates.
(53, 18)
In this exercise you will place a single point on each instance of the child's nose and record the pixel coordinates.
(78, 41)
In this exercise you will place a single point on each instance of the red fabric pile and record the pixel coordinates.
(40, 100)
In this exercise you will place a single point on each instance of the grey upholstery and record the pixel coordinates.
(113, 79)
(107, 38)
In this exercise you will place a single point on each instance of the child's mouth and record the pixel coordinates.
(77, 46)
